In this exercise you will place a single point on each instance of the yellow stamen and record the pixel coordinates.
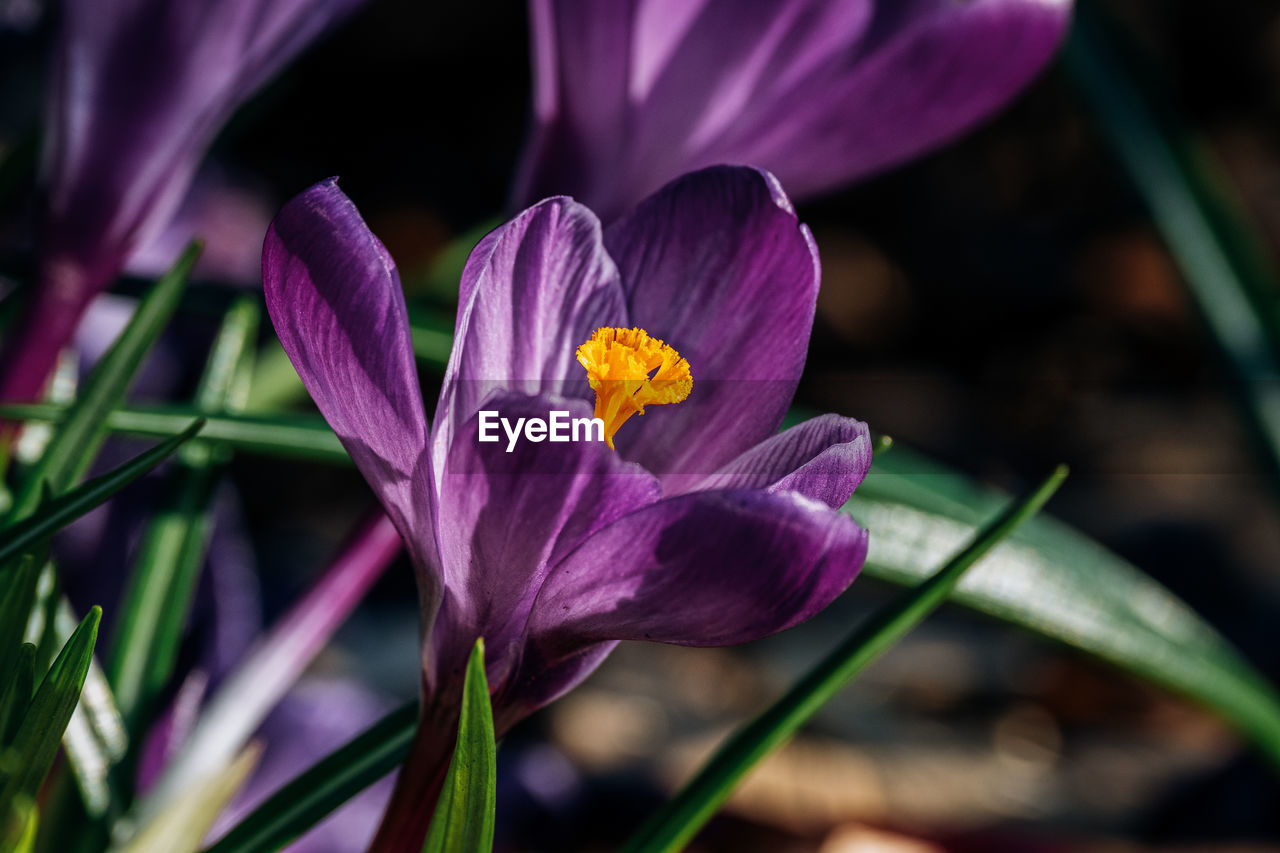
(629, 370)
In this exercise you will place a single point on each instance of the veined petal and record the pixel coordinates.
(926, 71)
(701, 569)
(533, 290)
(717, 265)
(824, 458)
(139, 90)
(506, 515)
(334, 296)
(820, 92)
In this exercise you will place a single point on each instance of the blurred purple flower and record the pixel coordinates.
(628, 94)
(228, 215)
(706, 527)
(140, 88)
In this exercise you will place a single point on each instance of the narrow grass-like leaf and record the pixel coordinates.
(431, 332)
(74, 445)
(39, 734)
(328, 784)
(162, 583)
(59, 512)
(1051, 580)
(681, 818)
(245, 697)
(440, 280)
(17, 597)
(1232, 286)
(157, 601)
(294, 435)
(15, 693)
(223, 385)
(42, 630)
(18, 826)
(463, 821)
(275, 384)
(95, 741)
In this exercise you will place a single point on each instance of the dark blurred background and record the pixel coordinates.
(1002, 305)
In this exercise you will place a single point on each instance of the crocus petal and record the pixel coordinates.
(717, 266)
(533, 290)
(334, 296)
(140, 88)
(820, 92)
(702, 569)
(506, 515)
(824, 458)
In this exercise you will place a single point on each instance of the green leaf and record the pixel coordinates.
(18, 826)
(59, 512)
(43, 627)
(36, 743)
(225, 383)
(160, 588)
(1054, 581)
(463, 822)
(431, 332)
(440, 280)
(18, 582)
(301, 436)
(1050, 580)
(275, 384)
(328, 784)
(15, 693)
(95, 739)
(1225, 271)
(157, 597)
(680, 819)
(79, 435)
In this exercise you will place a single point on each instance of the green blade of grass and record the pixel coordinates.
(40, 733)
(18, 596)
(15, 693)
(329, 783)
(1055, 582)
(1231, 285)
(431, 332)
(82, 430)
(1068, 587)
(18, 827)
(162, 583)
(680, 819)
(57, 513)
(297, 436)
(463, 820)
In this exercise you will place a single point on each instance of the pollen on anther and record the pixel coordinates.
(629, 370)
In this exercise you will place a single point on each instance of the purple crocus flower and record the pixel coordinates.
(628, 94)
(704, 527)
(140, 89)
